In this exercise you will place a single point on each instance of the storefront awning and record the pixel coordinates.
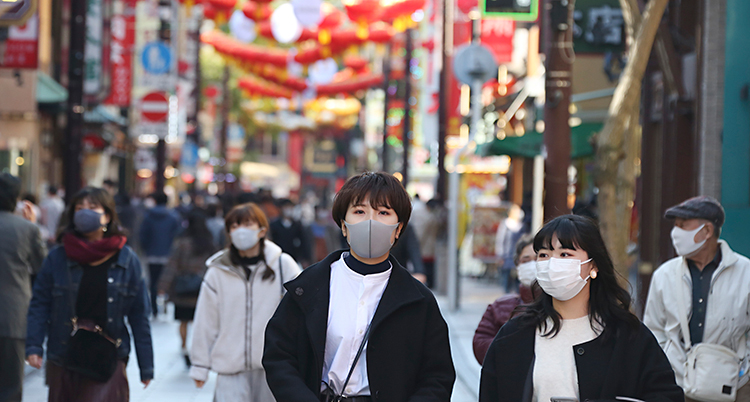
(101, 115)
(530, 145)
(48, 90)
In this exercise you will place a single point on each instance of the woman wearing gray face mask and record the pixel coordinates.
(357, 325)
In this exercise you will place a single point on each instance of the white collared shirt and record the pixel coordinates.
(351, 306)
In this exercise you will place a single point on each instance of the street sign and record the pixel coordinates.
(21, 47)
(156, 58)
(16, 12)
(155, 107)
(518, 10)
(474, 62)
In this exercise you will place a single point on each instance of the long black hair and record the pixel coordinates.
(197, 231)
(96, 196)
(609, 303)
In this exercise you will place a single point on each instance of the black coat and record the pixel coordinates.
(293, 240)
(628, 364)
(408, 354)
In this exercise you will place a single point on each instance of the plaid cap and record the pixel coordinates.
(701, 207)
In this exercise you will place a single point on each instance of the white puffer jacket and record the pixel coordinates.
(233, 311)
(727, 317)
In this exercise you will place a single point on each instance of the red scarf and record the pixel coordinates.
(85, 252)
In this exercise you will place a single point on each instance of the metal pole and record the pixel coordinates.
(74, 126)
(224, 117)
(407, 108)
(386, 84)
(165, 35)
(447, 45)
(559, 50)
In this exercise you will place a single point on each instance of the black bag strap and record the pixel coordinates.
(356, 359)
(71, 301)
(281, 275)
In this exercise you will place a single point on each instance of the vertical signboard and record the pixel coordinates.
(121, 53)
(497, 35)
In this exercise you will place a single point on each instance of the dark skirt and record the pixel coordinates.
(68, 386)
(183, 313)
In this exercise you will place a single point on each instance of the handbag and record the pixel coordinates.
(712, 372)
(90, 351)
(188, 285)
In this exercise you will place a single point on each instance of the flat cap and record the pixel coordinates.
(701, 207)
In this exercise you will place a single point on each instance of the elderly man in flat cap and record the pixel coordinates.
(698, 306)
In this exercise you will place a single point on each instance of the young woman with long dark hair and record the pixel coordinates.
(579, 340)
(183, 274)
(239, 294)
(90, 283)
(357, 326)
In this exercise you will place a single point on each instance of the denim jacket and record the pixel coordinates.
(50, 312)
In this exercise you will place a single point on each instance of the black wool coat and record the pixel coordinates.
(629, 364)
(408, 354)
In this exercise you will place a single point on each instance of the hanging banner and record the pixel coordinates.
(21, 49)
(121, 53)
(93, 54)
(497, 35)
(461, 36)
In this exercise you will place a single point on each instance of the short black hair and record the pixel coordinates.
(51, 190)
(160, 198)
(381, 189)
(10, 189)
(30, 198)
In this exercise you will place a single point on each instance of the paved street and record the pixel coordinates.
(173, 384)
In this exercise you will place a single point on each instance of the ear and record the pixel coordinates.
(263, 232)
(398, 230)
(711, 230)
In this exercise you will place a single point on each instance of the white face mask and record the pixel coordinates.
(244, 238)
(527, 273)
(561, 277)
(684, 240)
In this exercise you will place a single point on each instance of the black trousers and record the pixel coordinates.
(154, 271)
(12, 353)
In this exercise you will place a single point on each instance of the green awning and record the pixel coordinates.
(48, 90)
(530, 145)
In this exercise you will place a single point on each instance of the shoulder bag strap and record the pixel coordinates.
(356, 359)
(281, 275)
(682, 308)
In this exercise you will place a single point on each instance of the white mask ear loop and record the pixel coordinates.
(590, 271)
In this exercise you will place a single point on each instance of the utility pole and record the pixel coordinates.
(407, 107)
(447, 46)
(165, 35)
(386, 84)
(558, 21)
(224, 130)
(74, 126)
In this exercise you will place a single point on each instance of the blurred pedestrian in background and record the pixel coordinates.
(52, 210)
(288, 232)
(239, 294)
(500, 311)
(357, 326)
(94, 282)
(406, 252)
(578, 341)
(508, 233)
(159, 228)
(21, 253)
(183, 274)
(215, 224)
(698, 305)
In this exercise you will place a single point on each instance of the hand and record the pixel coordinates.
(420, 277)
(199, 383)
(145, 383)
(35, 361)
(28, 212)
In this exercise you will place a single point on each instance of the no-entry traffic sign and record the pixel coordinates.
(155, 107)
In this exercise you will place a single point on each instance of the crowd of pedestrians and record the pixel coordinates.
(360, 324)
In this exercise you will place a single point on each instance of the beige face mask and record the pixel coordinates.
(370, 238)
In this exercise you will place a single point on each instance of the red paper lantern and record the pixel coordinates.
(364, 13)
(256, 12)
(355, 63)
(466, 5)
(209, 11)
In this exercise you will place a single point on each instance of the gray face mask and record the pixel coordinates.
(370, 239)
(87, 220)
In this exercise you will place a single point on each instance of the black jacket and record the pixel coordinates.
(408, 354)
(628, 364)
(292, 240)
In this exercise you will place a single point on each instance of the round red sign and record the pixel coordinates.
(155, 107)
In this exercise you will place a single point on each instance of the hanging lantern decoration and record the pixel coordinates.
(259, 87)
(399, 14)
(209, 12)
(223, 8)
(241, 27)
(352, 85)
(284, 25)
(363, 14)
(358, 64)
(245, 54)
(308, 12)
(256, 12)
(331, 19)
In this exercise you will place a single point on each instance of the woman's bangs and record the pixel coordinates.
(566, 232)
(377, 196)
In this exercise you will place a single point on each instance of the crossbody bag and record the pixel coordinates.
(712, 372)
(329, 395)
(90, 351)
